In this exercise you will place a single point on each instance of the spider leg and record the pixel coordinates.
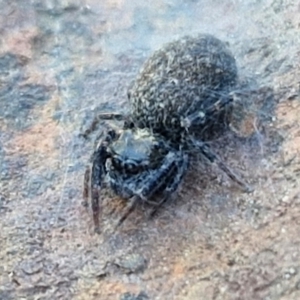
(100, 117)
(130, 208)
(86, 181)
(96, 175)
(159, 181)
(200, 117)
(97, 172)
(112, 116)
(173, 184)
(163, 200)
(207, 152)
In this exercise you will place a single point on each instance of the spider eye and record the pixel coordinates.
(128, 124)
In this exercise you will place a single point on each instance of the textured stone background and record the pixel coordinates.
(60, 63)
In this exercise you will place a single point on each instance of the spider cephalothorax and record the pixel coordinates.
(178, 98)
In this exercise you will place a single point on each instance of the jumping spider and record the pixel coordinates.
(180, 92)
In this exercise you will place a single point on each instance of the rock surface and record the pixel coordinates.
(61, 62)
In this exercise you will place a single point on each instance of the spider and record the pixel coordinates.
(180, 94)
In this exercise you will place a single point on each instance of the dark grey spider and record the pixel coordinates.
(137, 165)
(180, 93)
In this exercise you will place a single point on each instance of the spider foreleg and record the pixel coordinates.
(97, 174)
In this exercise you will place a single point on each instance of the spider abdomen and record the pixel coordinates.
(184, 77)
